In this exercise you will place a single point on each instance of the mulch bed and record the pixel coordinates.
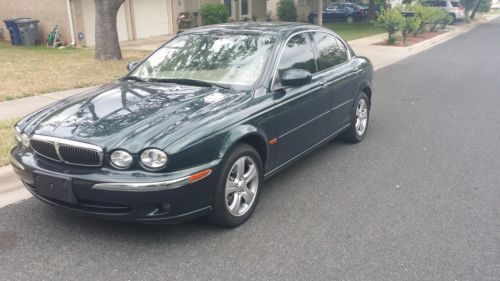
(412, 40)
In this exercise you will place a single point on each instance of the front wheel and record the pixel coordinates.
(360, 117)
(238, 187)
(349, 19)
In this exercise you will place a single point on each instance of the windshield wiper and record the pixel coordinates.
(185, 81)
(135, 78)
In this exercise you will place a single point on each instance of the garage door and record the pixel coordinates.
(152, 17)
(88, 9)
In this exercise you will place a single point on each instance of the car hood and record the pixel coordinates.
(134, 115)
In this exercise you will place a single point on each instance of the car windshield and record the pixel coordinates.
(227, 58)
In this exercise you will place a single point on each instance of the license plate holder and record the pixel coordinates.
(54, 187)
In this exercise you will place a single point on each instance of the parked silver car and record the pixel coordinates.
(454, 8)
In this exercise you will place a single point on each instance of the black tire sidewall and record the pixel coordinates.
(220, 215)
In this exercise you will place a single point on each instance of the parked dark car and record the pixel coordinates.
(196, 127)
(347, 12)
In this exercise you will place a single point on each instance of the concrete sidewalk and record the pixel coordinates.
(11, 190)
(24, 106)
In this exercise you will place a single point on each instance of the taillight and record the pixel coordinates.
(460, 7)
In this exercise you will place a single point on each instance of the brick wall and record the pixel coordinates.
(48, 12)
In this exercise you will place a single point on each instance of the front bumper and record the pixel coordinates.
(138, 196)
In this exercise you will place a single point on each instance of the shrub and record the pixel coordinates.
(430, 18)
(392, 21)
(214, 13)
(411, 25)
(287, 10)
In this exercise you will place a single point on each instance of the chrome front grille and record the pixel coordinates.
(67, 151)
(44, 148)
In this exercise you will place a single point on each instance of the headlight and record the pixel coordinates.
(25, 140)
(121, 159)
(153, 159)
(17, 134)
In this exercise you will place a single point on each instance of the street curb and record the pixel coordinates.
(11, 189)
(427, 44)
(447, 36)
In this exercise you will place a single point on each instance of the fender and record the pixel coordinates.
(238, 133)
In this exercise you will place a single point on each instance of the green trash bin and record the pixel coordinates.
(28, 28)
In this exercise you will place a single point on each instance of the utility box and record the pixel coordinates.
(28, 29)
(15, 36)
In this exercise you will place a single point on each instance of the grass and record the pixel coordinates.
(28, 71)
(354, 30)
(7, 141)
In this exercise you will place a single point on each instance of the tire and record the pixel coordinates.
(452, 19)
(228, 212)
(353, 134)
(349, 19)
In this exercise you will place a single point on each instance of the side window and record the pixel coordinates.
(331, 51)
(297, 53)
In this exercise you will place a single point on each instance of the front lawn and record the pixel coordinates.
(28, 71)
(354, 30)
(6, 140)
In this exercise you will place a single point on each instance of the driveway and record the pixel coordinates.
(419, 199)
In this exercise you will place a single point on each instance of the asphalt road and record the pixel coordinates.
(419, 199)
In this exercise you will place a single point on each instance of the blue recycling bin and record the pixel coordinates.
(15, 35)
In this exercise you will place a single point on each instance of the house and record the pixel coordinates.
(136, 19)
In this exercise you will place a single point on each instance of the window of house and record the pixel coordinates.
(245, 7)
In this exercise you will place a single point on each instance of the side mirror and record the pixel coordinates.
(295, 77)
(131, 65)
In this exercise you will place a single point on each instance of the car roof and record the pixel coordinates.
(257, 27)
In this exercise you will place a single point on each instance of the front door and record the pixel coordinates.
(302, 111)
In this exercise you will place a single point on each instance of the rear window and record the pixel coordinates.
(455, 4)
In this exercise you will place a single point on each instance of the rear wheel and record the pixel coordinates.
(349, 19)
(360, 117)
(239, 187)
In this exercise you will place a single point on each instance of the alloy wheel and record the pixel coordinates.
(361, 117)
(241, 186)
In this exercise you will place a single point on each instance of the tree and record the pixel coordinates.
(392, 21)
(371, 9)
(483, 6)
(287, 10)
(107, 46)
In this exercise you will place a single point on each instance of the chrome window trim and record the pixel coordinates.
(58, 142)
(280, 52)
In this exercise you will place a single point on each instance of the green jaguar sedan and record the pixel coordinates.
(196, 127)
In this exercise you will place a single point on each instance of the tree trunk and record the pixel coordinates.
(467, 5)
(107, 46)
(371, 8)
(320, 12)
(473, 15)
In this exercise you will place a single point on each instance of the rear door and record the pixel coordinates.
(339, 76)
